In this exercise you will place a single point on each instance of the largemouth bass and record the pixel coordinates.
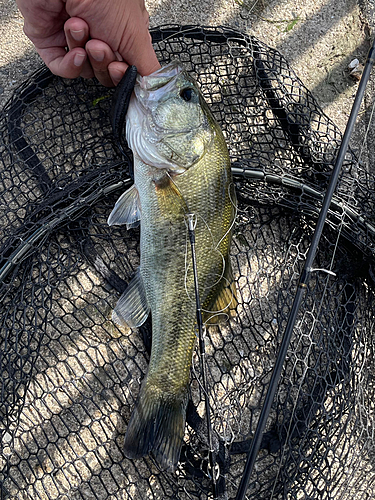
(181, 167)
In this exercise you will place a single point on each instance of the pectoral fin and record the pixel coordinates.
(132, 307)
(127, 209)
(170, 199)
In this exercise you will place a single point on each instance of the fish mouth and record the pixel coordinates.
(151, 89)
(161, 77)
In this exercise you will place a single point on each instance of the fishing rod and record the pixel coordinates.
(303, 281)
(191, 223)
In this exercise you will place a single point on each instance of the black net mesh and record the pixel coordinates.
(70, 377)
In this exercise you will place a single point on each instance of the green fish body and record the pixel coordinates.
(181, 167)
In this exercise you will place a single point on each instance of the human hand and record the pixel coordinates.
(118, 30)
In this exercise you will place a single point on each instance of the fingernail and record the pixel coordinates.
(79, 59)
(78, 35)
(118, 56)
(98, 55)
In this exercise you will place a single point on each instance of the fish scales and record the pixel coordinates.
(188, 172)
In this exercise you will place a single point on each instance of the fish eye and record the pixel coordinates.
(186, 94)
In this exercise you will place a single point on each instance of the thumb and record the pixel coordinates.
(136, 47)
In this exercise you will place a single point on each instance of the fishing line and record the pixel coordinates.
(303, 282)
(191, 223)
(215, 245)
(234, 205)
(213, 249)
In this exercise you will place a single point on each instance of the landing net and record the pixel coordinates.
(70, 377)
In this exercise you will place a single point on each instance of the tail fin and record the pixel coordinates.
(157, 426)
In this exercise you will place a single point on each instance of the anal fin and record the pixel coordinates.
(224, 302)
